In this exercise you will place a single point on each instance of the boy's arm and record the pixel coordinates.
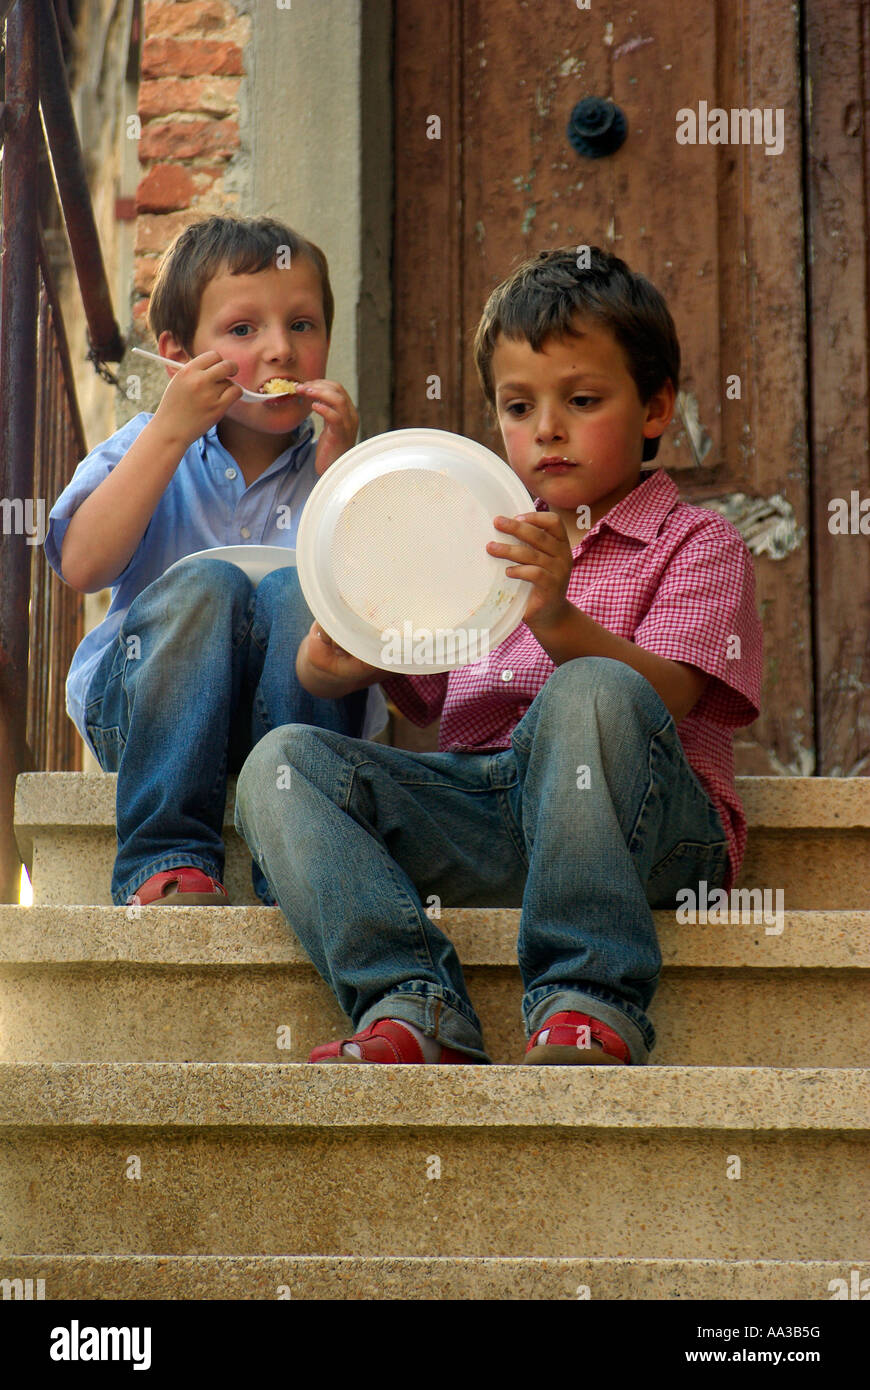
(104, 531)
(564, 631)
(326, 670)
(679, 685)
(106, 528)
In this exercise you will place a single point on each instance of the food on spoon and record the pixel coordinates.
(278, 386)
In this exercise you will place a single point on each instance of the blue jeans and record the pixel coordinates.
(203, 666)
(359, 836)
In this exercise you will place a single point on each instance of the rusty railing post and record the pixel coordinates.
(72, 185)
(18, 316)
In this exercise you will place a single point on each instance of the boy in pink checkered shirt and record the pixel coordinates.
(585, 766)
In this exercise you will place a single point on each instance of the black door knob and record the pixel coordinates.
(597, 127)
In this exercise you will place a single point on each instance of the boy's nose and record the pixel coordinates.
(551, 425)
(280, 344)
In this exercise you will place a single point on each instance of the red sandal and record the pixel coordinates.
(577, 1040)
(182, 887)
(385, 1041)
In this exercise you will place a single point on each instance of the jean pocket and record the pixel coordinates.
(108, 745)
(685, 866)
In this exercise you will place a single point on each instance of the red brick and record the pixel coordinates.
(197, 15)
(187, 139)
(191, 58)
(145, 274)
(216, 96)
(154, 233)
(165, 188)
(205, 176)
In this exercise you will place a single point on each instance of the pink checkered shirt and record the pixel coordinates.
(672, 578)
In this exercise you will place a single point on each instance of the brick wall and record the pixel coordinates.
(192, 66)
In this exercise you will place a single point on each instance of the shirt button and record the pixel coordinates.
(229, 473)
(245, 531)
(507, 675)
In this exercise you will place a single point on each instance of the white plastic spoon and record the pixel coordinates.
(246, 394)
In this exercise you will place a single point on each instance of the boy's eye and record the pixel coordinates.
(518, 408)
(240, 329)
(302, 323)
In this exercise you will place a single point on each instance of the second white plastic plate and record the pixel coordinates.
(256, 560)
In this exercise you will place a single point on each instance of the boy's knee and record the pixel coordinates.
(611, 689)
(206, 579)
(270, 762)
(258, 769)
(596, 674)
(279, 584)
(279, 595)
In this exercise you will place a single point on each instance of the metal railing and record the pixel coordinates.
(41, 435)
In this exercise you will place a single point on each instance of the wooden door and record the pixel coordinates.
(718, 227)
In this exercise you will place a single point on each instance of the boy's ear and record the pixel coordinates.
(169, 346)
(660, 411)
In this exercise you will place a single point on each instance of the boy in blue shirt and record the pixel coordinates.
(193, 665)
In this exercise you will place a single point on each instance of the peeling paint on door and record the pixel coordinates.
(630, 45)
(699, 440)
(767, 524)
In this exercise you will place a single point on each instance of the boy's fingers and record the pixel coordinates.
(532, 535)
(223, 367)
(518, 554)
(533, 573)
(326, 639)
(323, 387)
(327, 392)
(546, 523)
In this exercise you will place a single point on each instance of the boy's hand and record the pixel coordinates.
(198, 395)
(340, 420)
(328, 658)
(544, 557)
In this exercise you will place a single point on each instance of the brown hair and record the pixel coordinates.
(547, 293)
(241, 246)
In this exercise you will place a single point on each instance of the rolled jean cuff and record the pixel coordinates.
(435, 1012)
(620, 1022)
(180, 859)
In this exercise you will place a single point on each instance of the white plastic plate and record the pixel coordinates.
(392, 552)
(256, 560)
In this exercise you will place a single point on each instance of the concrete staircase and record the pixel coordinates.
(162, 1135)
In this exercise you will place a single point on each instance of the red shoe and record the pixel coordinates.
(577, 1040)
(182, 887)
(385, 1041)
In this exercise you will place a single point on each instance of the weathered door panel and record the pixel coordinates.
(838, 213)
(718, 227)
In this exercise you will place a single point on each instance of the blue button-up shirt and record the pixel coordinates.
(206, 503)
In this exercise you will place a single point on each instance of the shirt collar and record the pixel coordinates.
(642, 513)
(293, 457)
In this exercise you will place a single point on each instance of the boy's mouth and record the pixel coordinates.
(555, 464)
(279, 386)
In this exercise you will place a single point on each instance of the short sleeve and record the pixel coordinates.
(419, 698)
(704, 614)
(93, 469)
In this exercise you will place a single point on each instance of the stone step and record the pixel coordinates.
(674, 1163)
(98, 984)
(808, 836)
(190, 1278)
